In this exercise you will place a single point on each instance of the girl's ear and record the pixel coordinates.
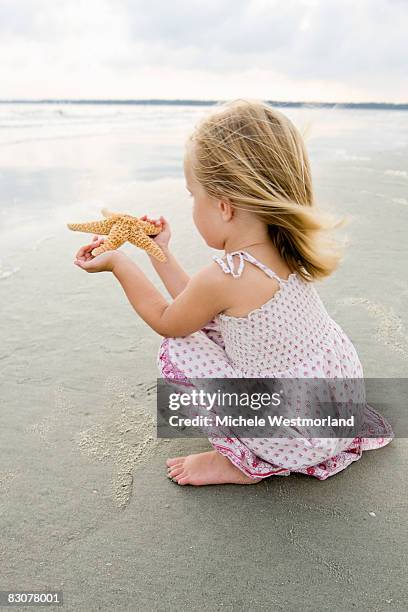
(226, 208)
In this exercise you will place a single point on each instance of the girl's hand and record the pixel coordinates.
(101, 263)
(163, 238)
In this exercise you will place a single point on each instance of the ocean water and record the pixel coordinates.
(61, 163)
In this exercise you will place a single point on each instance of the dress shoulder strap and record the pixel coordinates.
(228, 267)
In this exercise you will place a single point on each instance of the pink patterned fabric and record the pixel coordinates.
(290, 336)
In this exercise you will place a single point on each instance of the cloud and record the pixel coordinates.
(121, 48)
(326, 38)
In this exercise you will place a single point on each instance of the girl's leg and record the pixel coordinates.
(200, 355)
(212, 331)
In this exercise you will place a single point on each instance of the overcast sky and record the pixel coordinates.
(327, 50)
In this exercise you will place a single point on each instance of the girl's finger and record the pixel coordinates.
(81, 252)
(155, 221)
(80, 263)
(88, 247)
(85, 249)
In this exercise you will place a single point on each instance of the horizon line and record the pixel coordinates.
(198, 102)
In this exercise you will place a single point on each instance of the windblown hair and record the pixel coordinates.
(252, 154)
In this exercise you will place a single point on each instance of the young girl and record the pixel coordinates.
(254, 312)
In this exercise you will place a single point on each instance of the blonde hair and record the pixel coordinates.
(252, 154)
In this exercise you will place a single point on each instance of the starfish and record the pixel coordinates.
(121, 228)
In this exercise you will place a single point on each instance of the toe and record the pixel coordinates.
(175, 471)
(174, 461)
(175, 465)
(183, 480)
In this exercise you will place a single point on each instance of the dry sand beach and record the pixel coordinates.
(85, 504)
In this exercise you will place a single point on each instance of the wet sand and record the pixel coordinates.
(86, 506)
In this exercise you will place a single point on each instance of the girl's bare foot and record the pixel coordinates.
(206, 468)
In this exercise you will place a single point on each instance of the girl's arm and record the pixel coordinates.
(171, 273)
(203, 297)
